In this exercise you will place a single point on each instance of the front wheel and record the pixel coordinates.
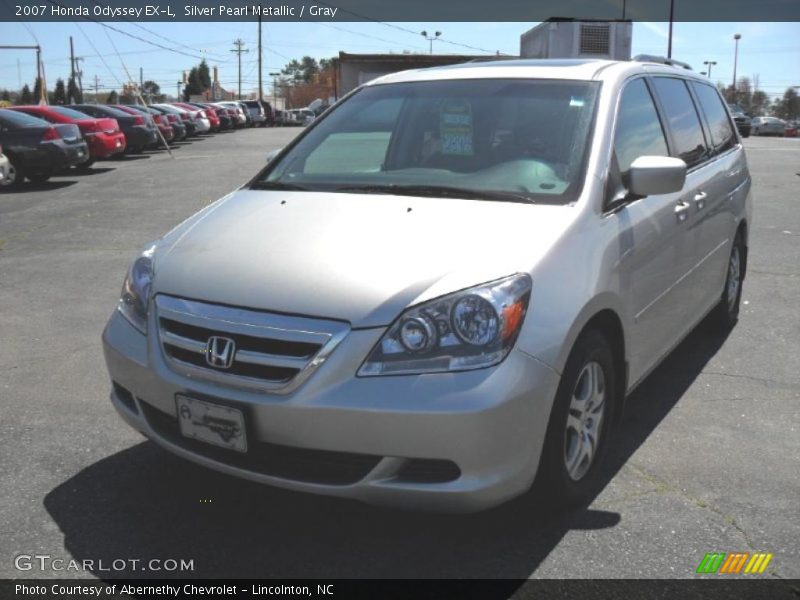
(38, 176)
(580, 423)
(85, 165)
(14, 175)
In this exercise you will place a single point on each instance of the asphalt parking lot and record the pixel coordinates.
(706, 459)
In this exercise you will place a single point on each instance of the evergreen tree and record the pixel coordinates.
(113, 98)
(5, 96)
(25, 96)
(60, 94)
(37, 90)
(203, 76)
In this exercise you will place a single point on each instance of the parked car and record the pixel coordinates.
(741, 118)
(256, 111)
(160, 121)
(226, 120)
(301, 117)
(790, 130)
(102, 135)
(188, 117)
(768, 126)
(198, 115)
(239, 112)
(442, 291)
(281, 118)
(5, 169)
(205, 112)
(181, 115)
(35, 148)
(139, 129)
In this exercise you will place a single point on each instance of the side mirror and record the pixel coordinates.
(271, 155)
(651, 175)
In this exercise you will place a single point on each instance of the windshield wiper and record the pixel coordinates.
(278, 185)
(437, 191)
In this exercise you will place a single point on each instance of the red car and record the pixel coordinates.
(103, 136)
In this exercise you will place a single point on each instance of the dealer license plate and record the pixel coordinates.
(212, 423)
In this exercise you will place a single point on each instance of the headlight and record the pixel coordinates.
(135, 293)
(469, 329)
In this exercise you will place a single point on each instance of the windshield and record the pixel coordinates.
(519, 137)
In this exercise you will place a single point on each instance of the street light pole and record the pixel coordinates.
(430, 38)
(710, 64)
(736, 38)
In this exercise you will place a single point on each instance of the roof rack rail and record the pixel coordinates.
(661, 60)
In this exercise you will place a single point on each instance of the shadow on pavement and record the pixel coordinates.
(44, 186)
(145, 503)
(86, 172)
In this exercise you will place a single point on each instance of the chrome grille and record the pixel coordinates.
(271, 352)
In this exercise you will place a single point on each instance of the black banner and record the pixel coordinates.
(398, 10)
(419, 589)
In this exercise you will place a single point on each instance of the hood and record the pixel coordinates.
(356, 257)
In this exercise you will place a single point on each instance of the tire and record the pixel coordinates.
(580, 422)
(38, 176)
(746, 134)
(85, 165)
(15, 175)
(726, 313)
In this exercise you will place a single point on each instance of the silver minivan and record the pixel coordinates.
(441, 292)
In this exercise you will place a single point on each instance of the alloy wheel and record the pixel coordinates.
(585, 420)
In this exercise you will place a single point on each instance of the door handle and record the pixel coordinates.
(700, 200)
(682, 211)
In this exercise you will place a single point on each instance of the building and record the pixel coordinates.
(355, 69)
(568, 38)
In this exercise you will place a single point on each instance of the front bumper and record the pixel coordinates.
(490, 423)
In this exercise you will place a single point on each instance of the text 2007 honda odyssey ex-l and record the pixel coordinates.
(445, 287)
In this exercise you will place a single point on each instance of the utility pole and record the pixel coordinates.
(71, 71)
(239, 51)
(39, 71)
(40, 76)
(80, 74)
(178, 91)
(141, 81)
(260, 87)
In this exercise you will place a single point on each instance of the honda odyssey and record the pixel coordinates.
(441, 292)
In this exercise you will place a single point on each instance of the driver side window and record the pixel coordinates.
(639, 131)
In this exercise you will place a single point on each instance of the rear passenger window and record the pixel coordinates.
(682, 118)
(722, 136)
(639, 130)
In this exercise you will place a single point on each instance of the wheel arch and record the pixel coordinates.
(603, 314)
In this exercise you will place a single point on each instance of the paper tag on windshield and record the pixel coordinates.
(455, 128)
